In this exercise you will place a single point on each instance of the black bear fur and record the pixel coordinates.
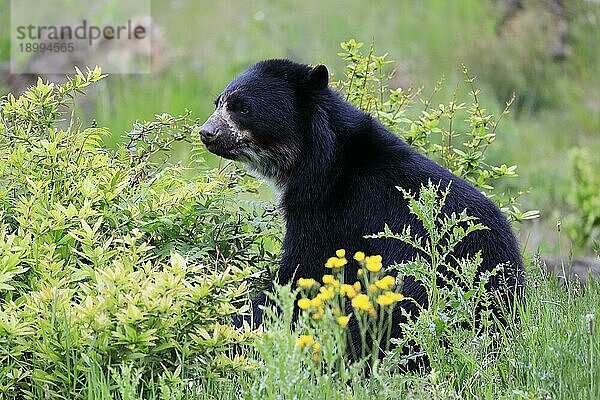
(336, 169)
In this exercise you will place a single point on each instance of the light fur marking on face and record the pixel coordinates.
(273, 163)
(239, 134)
(222, 117)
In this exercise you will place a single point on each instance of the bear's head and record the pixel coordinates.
(261, 116)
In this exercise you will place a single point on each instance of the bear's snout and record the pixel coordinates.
(219, 138)
(208, 132)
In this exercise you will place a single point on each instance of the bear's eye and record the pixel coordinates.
(240, 107)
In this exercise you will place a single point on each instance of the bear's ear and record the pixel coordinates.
(318, 77)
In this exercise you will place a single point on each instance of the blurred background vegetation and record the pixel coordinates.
(546, 51)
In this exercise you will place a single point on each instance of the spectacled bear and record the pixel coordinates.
(336, 169)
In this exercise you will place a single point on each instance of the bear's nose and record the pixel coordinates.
(208, 133)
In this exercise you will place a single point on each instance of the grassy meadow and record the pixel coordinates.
(120, 272)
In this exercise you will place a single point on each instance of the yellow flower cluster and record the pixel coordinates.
(348, 290)
(386, 282)
(359, 256)
(309, 341)
(379, 292)
(316, 348)
(330, 280)
(389, 298)
(306, 282)
(327, 292)
(304, 304)
(318, 314)
(316, 302)
(305, 341)
(362, 302)
(373, 263)
(338, 261)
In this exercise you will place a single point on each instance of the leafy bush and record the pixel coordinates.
(459, 310)
(583, 224)
(115, 262)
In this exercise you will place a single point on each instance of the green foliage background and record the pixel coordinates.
(91, 272)
(207, 43)
(557, 107)
(125, 248)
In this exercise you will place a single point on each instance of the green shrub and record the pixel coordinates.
(116, 261)
(583, 224)
(459, 311)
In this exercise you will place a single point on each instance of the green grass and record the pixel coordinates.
(552, 352)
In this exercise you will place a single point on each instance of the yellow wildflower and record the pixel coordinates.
(305, 341)
(316, 348)
(376, 258)
(304, 303)
(384, 300)
(347, 290)
(385, 282)
(361, 302)
(330, 280)
(356, 286)
(373, 263)
(395, 296)
(359, 256)
(335, 262)
(318, 314)
(372, 312)
(327, 293)
(306, 282)
(341, 253)
(359, 272)
(343, 320)
(316, 302)
(372, 288)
